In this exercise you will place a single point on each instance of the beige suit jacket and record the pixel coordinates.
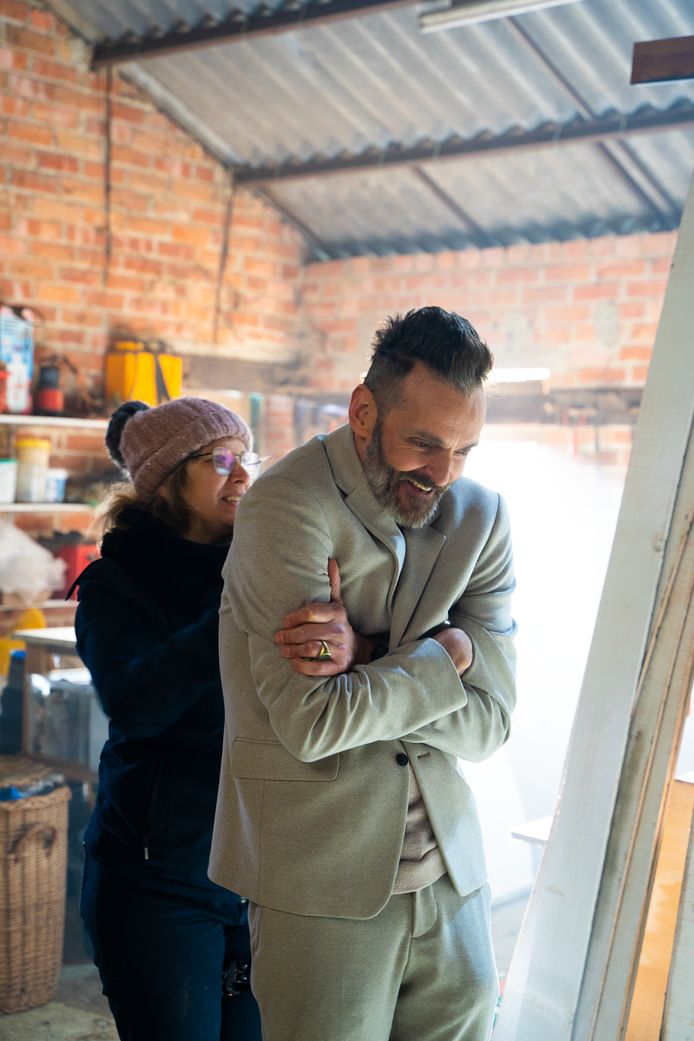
(312, 800)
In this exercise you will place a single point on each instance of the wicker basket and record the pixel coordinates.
(33, 861)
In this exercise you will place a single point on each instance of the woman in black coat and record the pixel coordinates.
(172, 947)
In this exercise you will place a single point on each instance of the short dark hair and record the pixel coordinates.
(444, 341)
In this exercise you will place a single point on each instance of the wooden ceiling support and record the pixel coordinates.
(657, 61)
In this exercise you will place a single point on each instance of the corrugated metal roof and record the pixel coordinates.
(359, 86)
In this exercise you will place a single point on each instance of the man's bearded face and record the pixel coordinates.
(409, 497)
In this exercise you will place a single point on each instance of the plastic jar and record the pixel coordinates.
(8, 479)
(56, 480)
(32, 468)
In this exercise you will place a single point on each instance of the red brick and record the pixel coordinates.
(625, 269)
(102, 298)
(635, 353)
(56, 115)
(55, 70)
(37, 135)
(84, 191)
(29, 40)
(14, 106)
(16, 153)
(598, 376)
(84, 145)
(58, 292)
(540, 295)
(10, 246)
(175, 249)
(639, 374)
(13, 9)
(596, 291)
(517, 275)
(44, 20)
(647, 287)
(56, 161)
(83, 101)
(128, 113)
(661, 265)
(10, 59)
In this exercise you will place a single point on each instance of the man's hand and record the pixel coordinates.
(458, 645)
(305, 629)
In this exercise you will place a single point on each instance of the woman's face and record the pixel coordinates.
(211, 497)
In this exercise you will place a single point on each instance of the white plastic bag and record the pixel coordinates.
(27, 569)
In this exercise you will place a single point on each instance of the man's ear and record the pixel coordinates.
(362, 415)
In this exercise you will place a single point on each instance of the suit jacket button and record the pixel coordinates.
(401, 759)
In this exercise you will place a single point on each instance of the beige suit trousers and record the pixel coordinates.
(421, 970)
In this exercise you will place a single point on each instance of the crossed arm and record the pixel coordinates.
(426, 689)
(305, 629)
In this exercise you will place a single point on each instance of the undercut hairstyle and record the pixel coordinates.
(444, 341)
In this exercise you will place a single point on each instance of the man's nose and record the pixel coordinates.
(443, 468)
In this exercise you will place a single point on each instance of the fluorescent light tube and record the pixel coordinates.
(468, 12)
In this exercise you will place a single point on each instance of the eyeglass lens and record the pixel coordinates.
(223, 461)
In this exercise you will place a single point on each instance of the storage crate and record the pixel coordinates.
(33, 864)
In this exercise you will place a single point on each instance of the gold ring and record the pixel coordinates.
(324, 652)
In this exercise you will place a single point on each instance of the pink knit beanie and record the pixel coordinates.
(149, 443)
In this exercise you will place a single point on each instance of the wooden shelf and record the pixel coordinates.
(47, 605)
(45, 507)
(58, 638)
(14, 420)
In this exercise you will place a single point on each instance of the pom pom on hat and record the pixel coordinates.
(149, 443)
(114, 431)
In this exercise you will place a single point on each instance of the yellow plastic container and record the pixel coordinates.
(136, 372)
(33, 454)
(31, 618)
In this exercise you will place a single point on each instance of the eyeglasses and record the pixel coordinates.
(224, 460)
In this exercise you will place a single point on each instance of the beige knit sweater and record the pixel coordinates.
(421, 862)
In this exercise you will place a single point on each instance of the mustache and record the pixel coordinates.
(406, 475)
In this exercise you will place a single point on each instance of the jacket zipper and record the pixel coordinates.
(150, 812)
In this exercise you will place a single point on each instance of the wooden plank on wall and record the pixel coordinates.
(678, 1021)
(654, 739)
(543, 987)
(646, 1013)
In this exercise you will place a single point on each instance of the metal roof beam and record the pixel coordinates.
(607, 149)
(320, 249)
(613, 126)
(238, 26)
(482, 238)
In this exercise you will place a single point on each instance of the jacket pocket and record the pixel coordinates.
(270, 761)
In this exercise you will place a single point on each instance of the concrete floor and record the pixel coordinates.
(80, 1011)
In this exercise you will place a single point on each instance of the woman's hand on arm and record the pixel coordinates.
(307, 627)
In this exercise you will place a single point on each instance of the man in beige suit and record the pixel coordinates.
(343, 815)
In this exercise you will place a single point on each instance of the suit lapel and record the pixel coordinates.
(423, 548)
(414, 551)
(351, 480)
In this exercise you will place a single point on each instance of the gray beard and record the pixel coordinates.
(384, 482)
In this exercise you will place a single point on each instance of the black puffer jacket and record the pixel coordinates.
(147, 628)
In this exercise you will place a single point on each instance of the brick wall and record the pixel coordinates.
(151, 263)
(146, 255)
(587, 310)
